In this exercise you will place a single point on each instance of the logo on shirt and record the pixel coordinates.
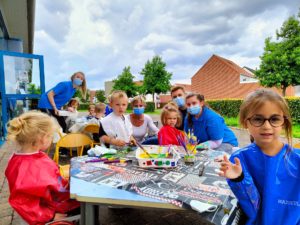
(287, 202)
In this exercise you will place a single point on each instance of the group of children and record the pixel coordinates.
(264, 176)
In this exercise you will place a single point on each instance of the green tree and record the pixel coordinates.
(100, 95)
(32, 89)
(280, 62)
(156, 78)
(78, 95)
(125, 82)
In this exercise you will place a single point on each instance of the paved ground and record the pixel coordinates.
(111, 216)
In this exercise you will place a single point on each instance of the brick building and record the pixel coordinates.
(221, 78)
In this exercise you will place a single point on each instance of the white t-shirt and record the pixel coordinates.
(117, 127)
(140, 132)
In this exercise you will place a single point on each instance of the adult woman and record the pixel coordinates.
(141, 123)
(52, 101)
(208, 126)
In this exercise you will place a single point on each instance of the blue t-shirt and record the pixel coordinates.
(63, 91)
(210, 126)
(269, 192)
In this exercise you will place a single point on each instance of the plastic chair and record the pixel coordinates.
(297, 145)
(57, 135)
(92, 129)
(72, 140)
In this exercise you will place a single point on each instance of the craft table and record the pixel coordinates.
(93, 184)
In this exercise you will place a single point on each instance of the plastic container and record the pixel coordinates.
(161, 156)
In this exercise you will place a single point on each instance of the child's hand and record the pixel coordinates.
(70, 109)
(118, 142)
(59, 216)
(230, 170)
(132, 141)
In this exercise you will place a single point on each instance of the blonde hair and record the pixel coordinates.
(117, 95)
(91, 106)
(83, 85)
(257, 99)
(100, 107)
(29, 127)
(167, 109)
(136, 99)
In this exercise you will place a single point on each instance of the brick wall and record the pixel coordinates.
(219, 79)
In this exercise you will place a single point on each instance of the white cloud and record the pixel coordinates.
(101, 37)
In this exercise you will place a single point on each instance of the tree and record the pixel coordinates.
(78, 95)
(125, 82)
(156, 78)
(32, 89)
(280, 62)
(100, 95)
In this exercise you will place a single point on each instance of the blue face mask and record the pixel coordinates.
(194, 110)
(179, 101)
(138, 111)
(77, 81)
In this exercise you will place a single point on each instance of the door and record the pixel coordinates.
(21, 84)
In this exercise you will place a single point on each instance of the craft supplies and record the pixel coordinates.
(189, 159)
(96, 160)
(158, 157)
(144, 150)
(117, 161)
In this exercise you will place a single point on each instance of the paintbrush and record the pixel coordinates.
(182, 144)
(141, 147)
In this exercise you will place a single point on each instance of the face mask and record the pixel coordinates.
(138, 111)
(77, 82)
(179, 101)
(194, 110)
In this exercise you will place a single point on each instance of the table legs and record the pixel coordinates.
(89, 214)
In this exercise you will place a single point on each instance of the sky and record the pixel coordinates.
(101, 37)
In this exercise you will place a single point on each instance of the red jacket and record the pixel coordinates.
(168, 135)
(37, 190)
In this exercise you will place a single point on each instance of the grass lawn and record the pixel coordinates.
(233, 122)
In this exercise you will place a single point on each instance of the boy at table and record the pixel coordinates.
(116, 129)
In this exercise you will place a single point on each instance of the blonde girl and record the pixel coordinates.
(265, 176)
(38, 192)
(170, 119)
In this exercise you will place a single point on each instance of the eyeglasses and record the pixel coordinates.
(275, 121)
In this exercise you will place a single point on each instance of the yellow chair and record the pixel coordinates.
(92, 129)
(297, 145)
(57, 135)
(72, 140)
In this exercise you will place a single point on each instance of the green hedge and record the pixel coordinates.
(231, 107)
(226, 107)
(83, 106)
(150, 107)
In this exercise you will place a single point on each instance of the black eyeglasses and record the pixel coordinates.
(275, 120)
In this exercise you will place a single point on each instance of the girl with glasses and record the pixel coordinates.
(265, 176)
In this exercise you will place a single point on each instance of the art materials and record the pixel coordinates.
(96, 160)
(141, 147)
(117, 161)
(202, 168)
(162, 160)
(181, 142)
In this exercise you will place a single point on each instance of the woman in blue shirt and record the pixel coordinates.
(208, 126)
(52, 100)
